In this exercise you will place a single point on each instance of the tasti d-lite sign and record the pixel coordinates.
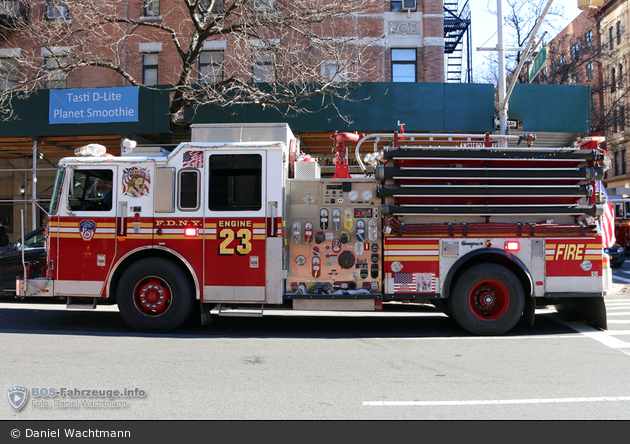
(93, 105)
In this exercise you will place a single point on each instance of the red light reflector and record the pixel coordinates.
(511, 245)
(191, 232)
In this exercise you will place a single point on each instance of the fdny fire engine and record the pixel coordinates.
(238, 221)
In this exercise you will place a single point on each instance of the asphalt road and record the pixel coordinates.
(302, 366)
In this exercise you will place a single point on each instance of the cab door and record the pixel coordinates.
(82, 233)
(240, 226)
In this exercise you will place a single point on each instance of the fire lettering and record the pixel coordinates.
(570, 252)
(235, 223)
(177, 223)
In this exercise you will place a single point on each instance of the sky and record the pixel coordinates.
(484, 26)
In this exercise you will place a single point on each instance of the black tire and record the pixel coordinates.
(155, 295)
(487, 299)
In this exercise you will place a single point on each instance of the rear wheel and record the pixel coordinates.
(154, 295)
(488, 300)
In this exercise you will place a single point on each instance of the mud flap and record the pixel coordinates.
(589, 310)
(530, 310)
(206, 317)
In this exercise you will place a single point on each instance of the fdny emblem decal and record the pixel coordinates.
(87, 228)
(17, 396)
(136, 181)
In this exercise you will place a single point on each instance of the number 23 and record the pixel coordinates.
(244, 247)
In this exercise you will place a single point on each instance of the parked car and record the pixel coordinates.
(11, 266)
(617, 255)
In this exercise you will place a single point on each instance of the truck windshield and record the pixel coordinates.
(56, 195)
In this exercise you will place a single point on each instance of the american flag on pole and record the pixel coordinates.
(405, 282)
(607, 227)
(193, 159)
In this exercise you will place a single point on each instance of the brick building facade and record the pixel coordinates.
(408, 47)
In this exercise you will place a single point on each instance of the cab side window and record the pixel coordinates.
(91, 190)
(235, 182)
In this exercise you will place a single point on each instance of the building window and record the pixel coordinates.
(588, 38)
(622, 118)
(8, 73)
(620, 76)
(403, 65)
(613, 81)
(263, 4)
(56, 10)
(575, 51)
(620, 163)
(57, 78)
(611, 38)
(150, 68)
(264, 69)
(397, 6)
(563, 59)
(618, 33)
(334, 71)
(210, 66)
(151, 8)
(589, 71)
(615, 121)
(217, 7)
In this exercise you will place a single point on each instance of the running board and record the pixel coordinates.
(81, 303)
(250, 312)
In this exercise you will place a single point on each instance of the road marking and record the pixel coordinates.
(616, 279)
(603, 337)
(623, 313)
(498, 401)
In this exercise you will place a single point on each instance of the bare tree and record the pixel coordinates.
(520, 18)
(277, 53)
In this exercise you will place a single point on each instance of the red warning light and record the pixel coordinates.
(511, 246)
(191, 232)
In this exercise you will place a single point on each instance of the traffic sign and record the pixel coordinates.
(538, 63)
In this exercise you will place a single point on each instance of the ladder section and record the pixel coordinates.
(488, 181)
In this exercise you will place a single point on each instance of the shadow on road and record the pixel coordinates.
(27, 317)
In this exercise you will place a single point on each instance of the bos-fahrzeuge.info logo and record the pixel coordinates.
(17, 396)
(71, 397)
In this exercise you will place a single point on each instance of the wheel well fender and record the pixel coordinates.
(494, 256)
(147, 253)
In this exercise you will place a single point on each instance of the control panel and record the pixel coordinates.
(335, 241)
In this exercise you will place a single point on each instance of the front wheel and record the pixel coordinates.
(488, 300)
(154, 295)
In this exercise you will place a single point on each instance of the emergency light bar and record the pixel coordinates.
(91, 150)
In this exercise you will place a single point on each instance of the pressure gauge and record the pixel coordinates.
(366, 195)
(353, 195)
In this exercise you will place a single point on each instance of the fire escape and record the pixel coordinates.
(457, 42)
(12, 15)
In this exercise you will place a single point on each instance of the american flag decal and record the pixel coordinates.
(193, 159)
(405, 282)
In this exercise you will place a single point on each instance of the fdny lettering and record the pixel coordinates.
(235, 223)
(177, 223)
(570, 252)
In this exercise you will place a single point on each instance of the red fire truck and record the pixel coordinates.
(238, 220)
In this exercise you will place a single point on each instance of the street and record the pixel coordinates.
(304, 366)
